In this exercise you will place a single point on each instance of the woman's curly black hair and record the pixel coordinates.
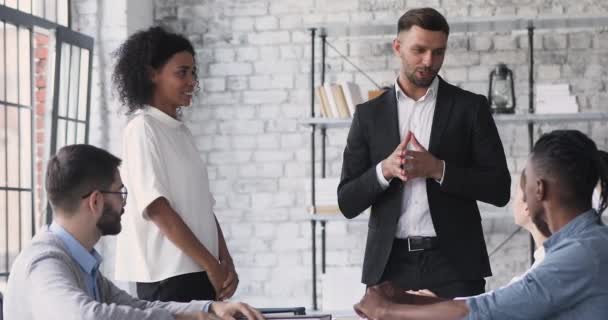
(145, 49)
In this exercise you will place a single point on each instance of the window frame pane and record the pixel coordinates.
(18, 27)
(83, 87)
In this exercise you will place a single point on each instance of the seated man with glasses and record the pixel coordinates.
(57, 276)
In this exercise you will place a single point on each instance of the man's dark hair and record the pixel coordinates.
(151, 48)
(425, 18)
(574, 161)
(77, 170)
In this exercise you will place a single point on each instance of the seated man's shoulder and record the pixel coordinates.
(41, 251)
(588, 248)
(595, 241)
(43, 247)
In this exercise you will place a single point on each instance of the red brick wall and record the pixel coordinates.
(41, 53)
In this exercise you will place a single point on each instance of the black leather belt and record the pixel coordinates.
(418, 243)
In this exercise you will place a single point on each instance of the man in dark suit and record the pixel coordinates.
(421, 155)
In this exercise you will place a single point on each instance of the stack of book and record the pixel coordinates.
(555, 98)
(326, 196)
(338, 100)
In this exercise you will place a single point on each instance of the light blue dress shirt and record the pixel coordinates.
(87, 261)
(571, 283)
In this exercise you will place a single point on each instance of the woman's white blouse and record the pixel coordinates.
(160, 159)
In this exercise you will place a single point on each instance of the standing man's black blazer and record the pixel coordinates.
(464, 135)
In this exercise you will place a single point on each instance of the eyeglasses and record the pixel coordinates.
(123, 192)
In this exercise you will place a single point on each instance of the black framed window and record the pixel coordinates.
(71, 117)
(45, 83)
(16, 161)
(56, 11)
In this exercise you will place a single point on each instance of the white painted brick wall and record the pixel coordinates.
(230, 69)
(254, 62)
(268, 37)
(269, 52)
(246, 9)
(224, 55)
(221, 98)
(266, 23)
(237, 83)
(247, 54)
(242, 127)
(265, 96)
(214, 84)
(276, 81)
(243, 23)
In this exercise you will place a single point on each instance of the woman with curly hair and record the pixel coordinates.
(171, 245)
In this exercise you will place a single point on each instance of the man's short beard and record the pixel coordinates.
(541, 224)
(420, 83)
(107, 224)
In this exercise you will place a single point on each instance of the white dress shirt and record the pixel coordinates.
(417, 117)
(160, 159)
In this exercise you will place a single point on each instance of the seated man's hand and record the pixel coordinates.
(373, 305)
(232, 310)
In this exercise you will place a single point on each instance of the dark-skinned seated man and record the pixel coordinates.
(572, 282)
(57, 276)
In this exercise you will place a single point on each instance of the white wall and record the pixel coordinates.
(254, 62)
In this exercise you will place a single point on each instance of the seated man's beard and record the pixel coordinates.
(109, 223)
(541, 223)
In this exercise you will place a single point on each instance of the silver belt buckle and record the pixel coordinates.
(409, 247)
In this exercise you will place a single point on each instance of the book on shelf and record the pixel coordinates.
(326, 196)
(323, 103)
(325, 209)
(554, 98)
(338, 100)
(331, 101)
(352, 94)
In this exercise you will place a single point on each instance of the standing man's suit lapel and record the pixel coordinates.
(389, 118)
(388, 121)
(443, 108)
